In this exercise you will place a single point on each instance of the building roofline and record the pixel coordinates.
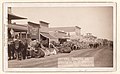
(44, 22)
(19, 25)
(77, 27)
(63, 27)
(33, 23)
(14, 17)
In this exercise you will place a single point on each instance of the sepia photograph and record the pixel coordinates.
(59, 36)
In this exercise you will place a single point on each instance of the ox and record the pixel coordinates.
(19, 49)
(11, 50)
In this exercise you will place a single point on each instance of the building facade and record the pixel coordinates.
(14, 29)
(71, 32)
(88, 38)
(60, 36)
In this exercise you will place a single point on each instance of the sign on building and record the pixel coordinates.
(33, 30)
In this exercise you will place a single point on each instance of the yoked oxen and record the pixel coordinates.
(65, 48)
(20, 49)
(94, 45)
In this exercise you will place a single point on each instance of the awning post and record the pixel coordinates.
(39, 34)
(26, 35)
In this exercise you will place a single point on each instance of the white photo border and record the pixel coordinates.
(58, 4)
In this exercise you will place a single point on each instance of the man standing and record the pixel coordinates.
(25, 49)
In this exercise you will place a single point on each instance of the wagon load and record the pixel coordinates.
(65, 50)
(53, 49)
(46, 51)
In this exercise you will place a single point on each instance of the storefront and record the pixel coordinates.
(46, 38)
(15, 30)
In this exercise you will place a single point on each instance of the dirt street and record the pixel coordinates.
(103, 57)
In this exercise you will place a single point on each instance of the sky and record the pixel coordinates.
(95, 20)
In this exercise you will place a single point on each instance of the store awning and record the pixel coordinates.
(14, 17)
(47, 35)
(17, 27)
(66, 37)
